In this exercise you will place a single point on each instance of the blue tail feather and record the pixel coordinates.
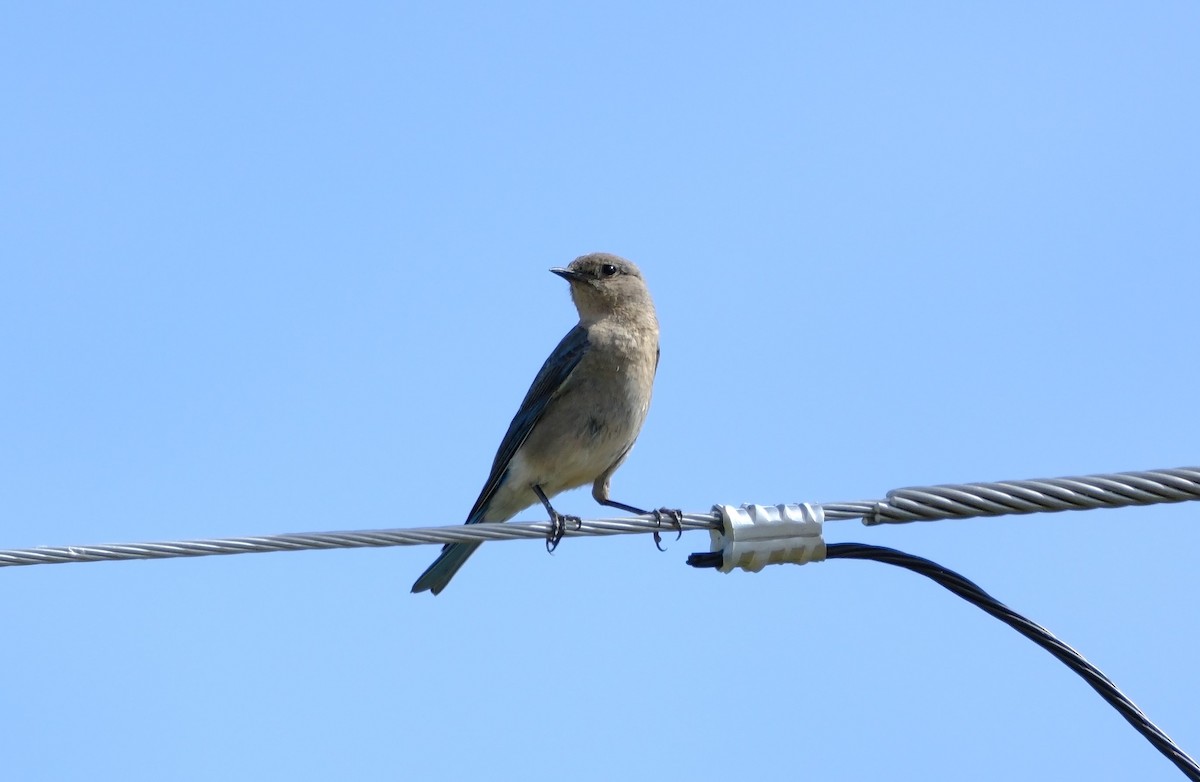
(435, 578)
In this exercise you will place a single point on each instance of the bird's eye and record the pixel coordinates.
(608, 270)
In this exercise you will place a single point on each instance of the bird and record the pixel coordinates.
(582, 414)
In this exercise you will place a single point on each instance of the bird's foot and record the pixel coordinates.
(558, 528)
(676, 517)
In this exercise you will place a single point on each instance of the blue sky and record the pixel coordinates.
(282, 267)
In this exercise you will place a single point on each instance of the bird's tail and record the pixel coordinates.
(453, 556)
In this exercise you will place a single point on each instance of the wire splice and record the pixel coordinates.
(754, 536)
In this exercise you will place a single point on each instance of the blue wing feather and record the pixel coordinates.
(549, 380)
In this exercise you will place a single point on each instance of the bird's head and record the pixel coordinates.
(603, 284)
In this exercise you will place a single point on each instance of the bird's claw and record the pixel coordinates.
(676, 517)
(558, 528)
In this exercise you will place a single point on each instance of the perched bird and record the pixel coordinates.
(582, 413)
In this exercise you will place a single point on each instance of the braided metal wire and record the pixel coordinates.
(926, 503)
(1115, 490)
(307, 541)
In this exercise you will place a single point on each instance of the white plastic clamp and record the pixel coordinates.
(755, 536)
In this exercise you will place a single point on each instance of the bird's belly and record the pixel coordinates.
(570, 450)
(585, 430)
(571, 446)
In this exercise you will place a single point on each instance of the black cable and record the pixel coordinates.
(1034, 632)
(972, 593)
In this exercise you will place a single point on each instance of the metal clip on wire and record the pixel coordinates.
(754, 536)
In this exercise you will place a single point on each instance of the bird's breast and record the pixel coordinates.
(596, 416)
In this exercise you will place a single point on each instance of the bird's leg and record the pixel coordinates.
(674, 514)
(557, 520)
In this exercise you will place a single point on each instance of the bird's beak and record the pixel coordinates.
(567, 274)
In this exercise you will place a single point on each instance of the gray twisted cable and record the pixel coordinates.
(1116, 490)
(307, 541)
(928, 503)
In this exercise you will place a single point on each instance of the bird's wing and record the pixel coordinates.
(546, 385)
